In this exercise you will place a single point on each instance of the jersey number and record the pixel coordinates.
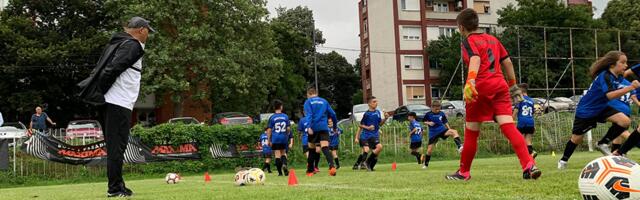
(280, 127)
(527, 111)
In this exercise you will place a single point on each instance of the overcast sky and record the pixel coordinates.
(338, 21)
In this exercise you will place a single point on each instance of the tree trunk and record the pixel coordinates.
(177, 109)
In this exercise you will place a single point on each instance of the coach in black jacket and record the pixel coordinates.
(115, 84)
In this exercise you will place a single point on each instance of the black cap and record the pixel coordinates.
(139, 22)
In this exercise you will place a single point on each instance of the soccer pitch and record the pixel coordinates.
(492, 178)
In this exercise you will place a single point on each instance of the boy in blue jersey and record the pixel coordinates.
(415, 135)
(439, 128)
(593, 108)
(622, 104)
(304, 137)
(319, 110)
(524, 114)
(334, 142)
(362, 141)
(279, 132)
(266, 151)
(370, 125)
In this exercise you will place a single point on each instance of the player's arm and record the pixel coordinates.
(290, 136)
(515, 113)
(635, 99)
(413, 131)
(309, 111)
(614, 94)
(358, 134)
(507, 65)
(269, 136)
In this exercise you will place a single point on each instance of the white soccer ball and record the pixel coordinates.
(241, 177)
(256, 176)
(172, 178)
(610, 177)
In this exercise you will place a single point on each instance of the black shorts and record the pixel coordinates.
(527, 130)
(442, 135)
(415, 145)
(373, 142)
(319, 136)
(333, 148)
(279, 147)
(305, 148)
(363, 143)
(582, 126)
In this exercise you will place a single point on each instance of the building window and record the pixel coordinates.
(411, 33)
(429, 3)
(440, 7)
(434, 63)
(412, 5)
(482, 7)
(444, 31)
(415, 92)
(435, 92)
(413, 62)
(366, 26)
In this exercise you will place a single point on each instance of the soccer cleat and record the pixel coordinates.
(128, 191)
(534, 154)
(337, 166)
(356, 167)
(424, 167)
(310, 174)
(460, 149)
(562, 164)
(316, 170)
(286, 170)
(363, 166)
(531, 173)
(332, 171)
(118, 194)
(604, 149)
(458, 176)
(618, 154)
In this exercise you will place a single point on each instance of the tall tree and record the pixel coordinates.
(339, 81)
(46, 47)
(624, 15)
(444, 54)
(221, 51)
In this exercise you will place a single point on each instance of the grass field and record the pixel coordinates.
(493, 178)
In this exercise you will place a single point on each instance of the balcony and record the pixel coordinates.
(443, 9)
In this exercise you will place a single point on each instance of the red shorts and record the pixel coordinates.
(493, 100)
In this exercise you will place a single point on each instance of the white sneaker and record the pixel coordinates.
(562, 164)
(424, 167)
(460, 149)
(604, 149)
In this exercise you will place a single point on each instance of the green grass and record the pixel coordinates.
(493, 178)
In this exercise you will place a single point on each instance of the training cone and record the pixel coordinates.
(553, 153)
(393, 166)
(293, 180)
(207, 178)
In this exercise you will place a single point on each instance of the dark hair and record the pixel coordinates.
(312, 90)
(412, 114)
(523, 87)
(436, 103)
(468, 19)
(605, 62)
(371, 98)
(277, 104)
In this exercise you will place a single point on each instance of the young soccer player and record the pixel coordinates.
(278, 133)
(415, 136)
(370, 125)
(266, 151)
(623, 104)
(334, 142)
(304, 137)
(524, 113)
(319, 110)
(487, 95)
(438, 128)
(593, 108)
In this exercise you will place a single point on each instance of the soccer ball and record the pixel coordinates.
(610, 177)
(241, 177)
(172, 178)
(256, 176)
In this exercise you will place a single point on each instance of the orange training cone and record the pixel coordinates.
(393, 166)
(293, 180)
(207, 178)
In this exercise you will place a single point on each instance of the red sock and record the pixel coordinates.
(469, 149)
(517, 143)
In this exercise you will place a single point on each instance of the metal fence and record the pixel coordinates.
(552, 132)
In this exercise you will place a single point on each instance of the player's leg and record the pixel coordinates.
(456, 138)
(373, 158)
(470, 147)
(632, 140)
(362, 155)
(311, 158)
(324, 145)
(427, 158)
(278, 155)
(619, 123)
(415, 150)
(285, 161)
(508, 128)
(365, 155)
(617, 143)
(334, 152)
(316, 159)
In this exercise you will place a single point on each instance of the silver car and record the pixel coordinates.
(551, 106)
(572, 104)
(454, 108)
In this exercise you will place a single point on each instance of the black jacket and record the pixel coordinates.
(121, 53)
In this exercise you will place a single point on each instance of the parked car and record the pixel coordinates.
(357, 112)
(184, 120)
(13, 130)
(572, 104)
(551, 106)
(576, 98)
(84, 129)
(453, 108)
(401, 113)
(264, 117)
(232, 118)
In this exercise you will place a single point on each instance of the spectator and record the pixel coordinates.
(39, 120)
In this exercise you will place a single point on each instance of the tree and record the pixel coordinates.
(339, 81)
(623, 15)
(221, 51)
(46, 48)
(445, 54)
